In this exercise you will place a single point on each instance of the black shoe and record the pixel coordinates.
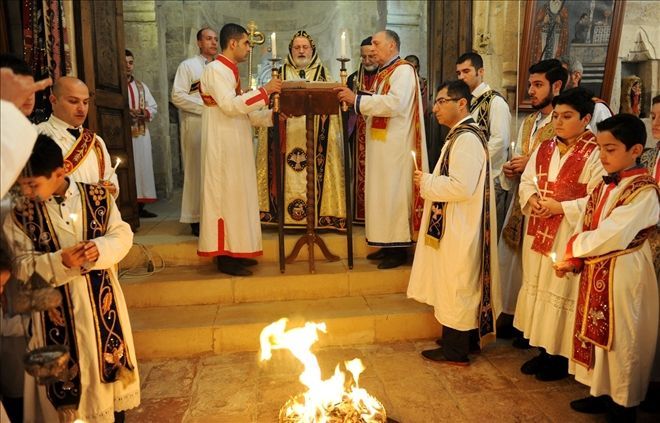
(474, 347)
(231, 266)
(521, 343)
(533, 366)
(194, 228)
(437, 355)
(651, 403)
(591, 405)
(394, 258)
(377, 255)
(144, 213)
(619, 414)
(244, 261)
(552, 369)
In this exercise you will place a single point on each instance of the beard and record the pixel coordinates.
(370, 68)
(301, 62)
(547, 100)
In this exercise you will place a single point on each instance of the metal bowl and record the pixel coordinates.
(47, 364)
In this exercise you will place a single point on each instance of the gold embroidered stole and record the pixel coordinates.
(594, 316)
(138, 124)
(512, 233)
(85, 143)
(565, 187)
(59, 323)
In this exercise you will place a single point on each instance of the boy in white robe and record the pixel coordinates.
(616, 318)
(553, 189)
(72, 236)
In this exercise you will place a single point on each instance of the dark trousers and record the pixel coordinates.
(455, 344)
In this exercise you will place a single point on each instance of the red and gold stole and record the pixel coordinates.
(594, 316)
(366, 83)
(208, 99)
(138, 125)
(565, 187)
(85, 143)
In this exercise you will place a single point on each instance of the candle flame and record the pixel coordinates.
(73, 217)
(553, 257)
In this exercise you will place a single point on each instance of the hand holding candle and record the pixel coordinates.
(273, 45)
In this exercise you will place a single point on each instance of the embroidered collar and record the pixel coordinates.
(227, 62)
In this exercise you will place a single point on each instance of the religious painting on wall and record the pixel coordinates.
(587, 30)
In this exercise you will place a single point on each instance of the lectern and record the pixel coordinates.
(301, 98)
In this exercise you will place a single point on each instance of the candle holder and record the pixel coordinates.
(343, 76)
(275, 74)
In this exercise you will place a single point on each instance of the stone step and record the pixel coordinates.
(199, 285)
(177, 331)
(171, 241)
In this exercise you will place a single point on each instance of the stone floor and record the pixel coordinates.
(235, 388)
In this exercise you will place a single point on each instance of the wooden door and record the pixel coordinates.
(102, 65)
(450, 35)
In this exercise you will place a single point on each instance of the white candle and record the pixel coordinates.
(536, 185)
(114, 169)
(343, 44)
(273, 45)
(73, 217)
(553, 257)
(414, 156)
(513, 148)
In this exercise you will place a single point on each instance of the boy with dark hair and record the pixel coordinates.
(72, 235)
(616, 318)
(553, 191)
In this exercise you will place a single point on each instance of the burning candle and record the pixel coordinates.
(343, 44)
(513, 148)
(414, 157)
(273, 45)
(73, 217)
(553, 257)
(536, 186)
(114, 169)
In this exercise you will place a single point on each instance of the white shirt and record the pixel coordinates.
(16, 142)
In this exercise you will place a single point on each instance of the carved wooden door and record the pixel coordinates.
(102, 65)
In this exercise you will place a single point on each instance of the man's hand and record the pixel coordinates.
(274, 86)
(507, 169)
(518, 164)
(565, 266)
(112, 188)
(345, 94)
(537, 208)
(552, 205)
(91, 251)
(417, 177)
(18, 88)
(73, 257)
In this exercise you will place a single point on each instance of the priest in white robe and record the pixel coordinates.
(72, 236)
(395, 127)
(86, 157)
(230, 228)
(186, 98)
(455, 266)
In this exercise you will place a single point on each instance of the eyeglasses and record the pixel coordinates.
(443, 100)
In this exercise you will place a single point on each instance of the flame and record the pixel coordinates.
(323, 396)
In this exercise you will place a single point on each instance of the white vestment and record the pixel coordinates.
(88, 171)
(510, 263)
(99, 400)
(448, 277)
(601, 112)
(16, 141)
(389, 165)
(624, 372)
(545, 310)
(185, 96)
(145, 185)
(229, 223)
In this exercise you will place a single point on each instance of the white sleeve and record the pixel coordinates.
(16, 141)
(181, 98)
(222, 89)
(466, 162)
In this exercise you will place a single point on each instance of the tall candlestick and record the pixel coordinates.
(273, 45)
(414, 156)
(343, 44)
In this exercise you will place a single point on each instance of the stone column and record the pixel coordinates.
(144, 32)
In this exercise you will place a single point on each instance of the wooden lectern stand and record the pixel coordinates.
(300, 98)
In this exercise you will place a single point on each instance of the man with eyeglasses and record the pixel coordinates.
(395, 127)
(304, 63)
(455, 266)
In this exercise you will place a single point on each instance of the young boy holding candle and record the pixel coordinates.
(72, 235)
(616, 319)
(566, 168)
